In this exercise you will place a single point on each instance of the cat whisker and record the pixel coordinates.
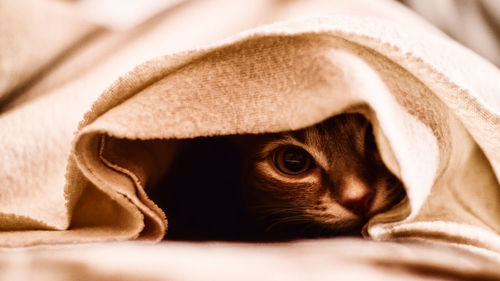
(275, 207)
(276, 210)
(288, 221)
(281, 216)
(278, 213)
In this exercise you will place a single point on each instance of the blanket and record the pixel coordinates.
(338, 259)
(80, 154)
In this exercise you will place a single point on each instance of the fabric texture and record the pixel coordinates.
(476, 24)
(338, 259)
(31, 44)
(77, 160)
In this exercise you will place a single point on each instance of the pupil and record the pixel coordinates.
(294, 159)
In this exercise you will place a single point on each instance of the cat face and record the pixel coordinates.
(329, 176)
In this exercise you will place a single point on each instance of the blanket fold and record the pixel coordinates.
(434, 106)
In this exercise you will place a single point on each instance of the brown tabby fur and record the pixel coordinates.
(228, 188)
(347, 184)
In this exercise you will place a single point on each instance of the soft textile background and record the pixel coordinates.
(434, 105)
(338, 259)
(476, 24)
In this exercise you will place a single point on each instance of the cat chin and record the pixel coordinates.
(345, 226)
(314, 230)
(351, 228)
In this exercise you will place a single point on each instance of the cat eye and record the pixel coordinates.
(292, 160)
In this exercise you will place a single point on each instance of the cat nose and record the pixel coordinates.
(356, 196)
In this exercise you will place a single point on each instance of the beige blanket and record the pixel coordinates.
(434, 105)
(315, 260)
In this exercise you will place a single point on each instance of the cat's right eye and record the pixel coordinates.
(292, 160)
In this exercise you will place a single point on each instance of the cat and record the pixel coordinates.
(320, 181)
(325, 180)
